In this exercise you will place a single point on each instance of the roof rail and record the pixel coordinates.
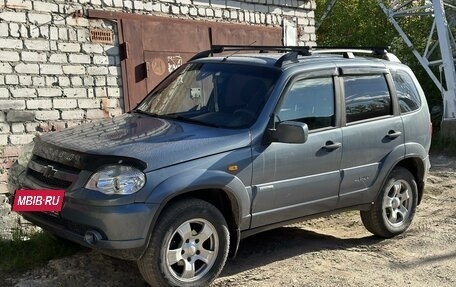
(292, 52)
(349, 52)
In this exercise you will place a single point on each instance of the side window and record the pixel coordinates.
(310, 101)
(407, 94)
(366, 97)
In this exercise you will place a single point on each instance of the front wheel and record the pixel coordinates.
(188, 247)
(393, 211)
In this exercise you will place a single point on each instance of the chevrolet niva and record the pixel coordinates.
(232, 145)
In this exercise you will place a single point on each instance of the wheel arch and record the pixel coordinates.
(416, 167)
(225, 191)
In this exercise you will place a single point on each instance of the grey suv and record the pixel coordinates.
(229, 146)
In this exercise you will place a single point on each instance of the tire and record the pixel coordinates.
(188, 246)
(393, 211)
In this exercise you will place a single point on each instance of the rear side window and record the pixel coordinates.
(366, 97)
(407, 94)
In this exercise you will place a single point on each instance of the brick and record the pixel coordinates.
(46, 69)
(74, 70)
(4, 129)
(79, 21)
(114, 92)
(83, 35)
(100, 60)
(18, 128)
(3, 142)
(38, 45)
(39, 104)
(97, 114)
(80, 59)
(27, 68)
(49, 92)
(3, 30)
(31, 127)
(64, 81)
(109, 103)
(23, 93)
(53, 33)
(112, 81)
(76, 81)
(45, 7)
(33, 57)
(4, 93)
(10, 151)
(115, 71)
(38, 81)
(9, 56)
(100, 81)
(5, 68)
(39, 19)
(97, 70)
(58, 58)
(20, 116)
(92, 48)
(73, 115)
(12, 104)
(25, 80)
(11, 44)
(69, 47)
(19, 4)
(75, 92)
(8, 16)
(89, 103)
(63, 34)
(64, 103)
(21, 139)
(11, 80)
(52, 81)
(101, 92)
(14, 30)
(47, 115)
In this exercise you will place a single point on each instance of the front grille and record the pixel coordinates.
(51, 174)
(48, 181)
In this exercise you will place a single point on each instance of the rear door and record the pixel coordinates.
(373, 131)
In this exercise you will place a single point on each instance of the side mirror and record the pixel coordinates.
(291, 132)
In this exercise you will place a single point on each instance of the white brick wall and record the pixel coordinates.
(51, 70)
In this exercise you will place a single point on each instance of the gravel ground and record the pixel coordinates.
(330, 251)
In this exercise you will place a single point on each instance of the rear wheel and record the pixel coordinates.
(189, 246)
(394, 209)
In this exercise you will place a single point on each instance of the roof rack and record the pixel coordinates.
(349, 52)
(292, 52)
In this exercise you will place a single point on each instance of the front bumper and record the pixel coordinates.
(122, 228)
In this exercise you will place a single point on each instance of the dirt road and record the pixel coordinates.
(334, 251)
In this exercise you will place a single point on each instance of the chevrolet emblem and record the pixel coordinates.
(49, 171)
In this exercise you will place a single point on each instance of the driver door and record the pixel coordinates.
(296, 180)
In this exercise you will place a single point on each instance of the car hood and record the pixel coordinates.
(148, 141)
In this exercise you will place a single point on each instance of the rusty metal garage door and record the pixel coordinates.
(152, 47)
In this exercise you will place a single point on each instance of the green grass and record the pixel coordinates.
(24, 252)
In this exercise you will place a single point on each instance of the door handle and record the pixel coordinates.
(330, 145)
(393, 134)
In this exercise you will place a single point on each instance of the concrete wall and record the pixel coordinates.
(52, 76)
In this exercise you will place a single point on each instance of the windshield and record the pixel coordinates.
(214, 94)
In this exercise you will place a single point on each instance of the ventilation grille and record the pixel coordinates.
(101, 36)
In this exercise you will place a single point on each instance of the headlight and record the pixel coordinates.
(117, 179)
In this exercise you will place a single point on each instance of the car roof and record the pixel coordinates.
(270, 60)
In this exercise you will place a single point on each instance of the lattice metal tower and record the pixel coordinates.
(439, 51)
